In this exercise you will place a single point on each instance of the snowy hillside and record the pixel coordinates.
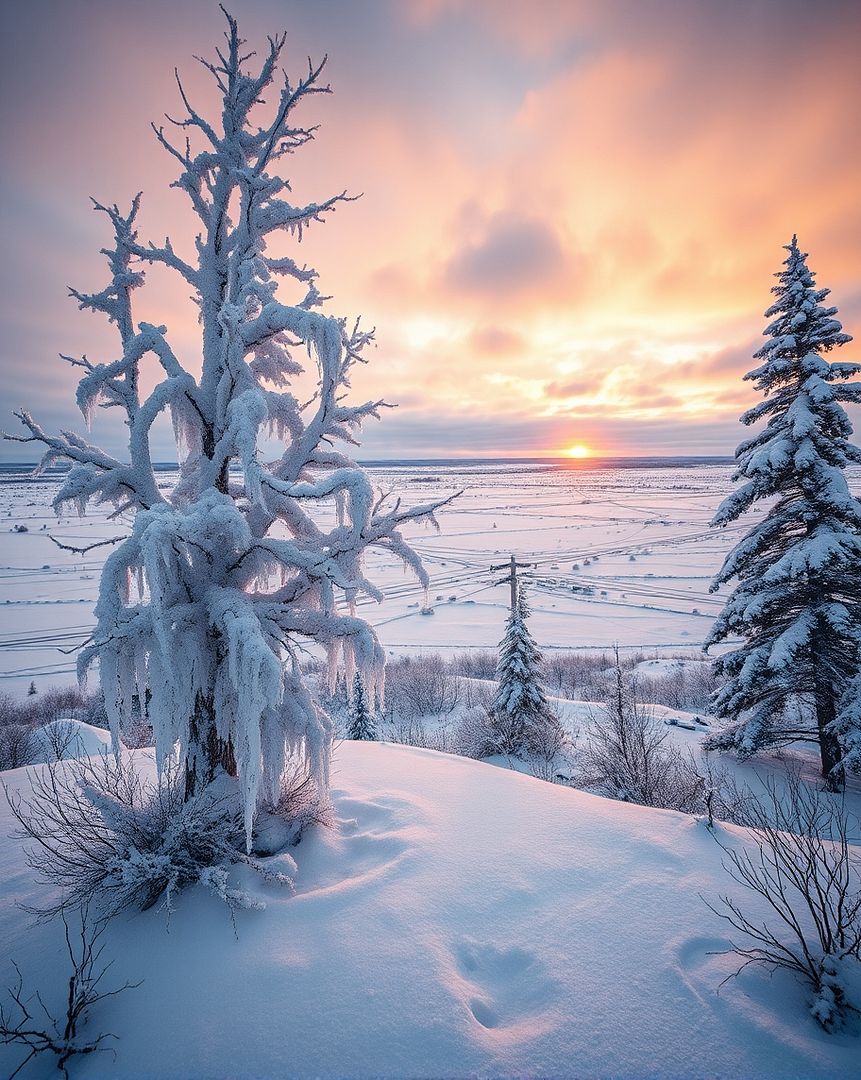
(459, 920)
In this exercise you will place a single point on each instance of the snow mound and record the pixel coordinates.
(61, 740)
(460, 920)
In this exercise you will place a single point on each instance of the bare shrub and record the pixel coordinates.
(627, 755)
(809, 875)
(633, 762)
(59, 738)
(23, 1020)
(95, 714)
(476, 664)
(438, 734)
(588, 676)
(300, 805)
(421, 686)
(409, 730)
(477, 692)
(724, 797)
(688, 686)
(578, 676)
(475, 735)
(17, 746)
(548, 746)
(62, 703)
(104, 834)
(55, 703)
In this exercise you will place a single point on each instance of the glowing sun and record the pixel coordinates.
(578, 451)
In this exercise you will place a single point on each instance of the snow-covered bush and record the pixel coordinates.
(797, 602)
(809, 874)
(104, 835)
(205, 608)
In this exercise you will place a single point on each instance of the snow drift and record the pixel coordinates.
(65, 738)
(459, 920)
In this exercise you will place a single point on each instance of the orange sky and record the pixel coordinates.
(570, 217)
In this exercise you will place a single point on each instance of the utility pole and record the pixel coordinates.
(512, 566)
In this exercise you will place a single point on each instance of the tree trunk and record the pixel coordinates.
(207, 754)
(829, 744)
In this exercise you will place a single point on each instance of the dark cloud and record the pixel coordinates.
(514, 255)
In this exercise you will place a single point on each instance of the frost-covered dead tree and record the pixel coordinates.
(797, 605)
(206, 605)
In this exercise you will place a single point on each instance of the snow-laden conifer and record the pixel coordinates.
(797, 604)
(206, 604)
(520, 701)
(361, 725)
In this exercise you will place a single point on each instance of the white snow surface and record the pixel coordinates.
(460, 920)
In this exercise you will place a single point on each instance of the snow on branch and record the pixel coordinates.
(205, 610)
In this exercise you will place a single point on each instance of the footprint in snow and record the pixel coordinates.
(503, 988)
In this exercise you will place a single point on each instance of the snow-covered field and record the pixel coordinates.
(461, 920)
(618, 554)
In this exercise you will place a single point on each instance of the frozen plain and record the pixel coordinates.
(618, 552)
(461, 919)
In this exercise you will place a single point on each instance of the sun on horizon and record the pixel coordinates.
(578, 451)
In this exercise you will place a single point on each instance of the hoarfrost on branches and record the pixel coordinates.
(204, 609)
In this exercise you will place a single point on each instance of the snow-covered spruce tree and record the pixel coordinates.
(797, 604)
(520, 702)
(206, 605)
(361, 725)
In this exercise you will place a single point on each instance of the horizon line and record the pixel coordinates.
(465, 459)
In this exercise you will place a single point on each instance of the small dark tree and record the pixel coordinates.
(31, 690)
(520, 702)
(797, 605)
(361, 723)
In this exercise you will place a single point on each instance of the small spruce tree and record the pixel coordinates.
(31, 690)
(520, 702)
(797, 604)
(361, 724)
